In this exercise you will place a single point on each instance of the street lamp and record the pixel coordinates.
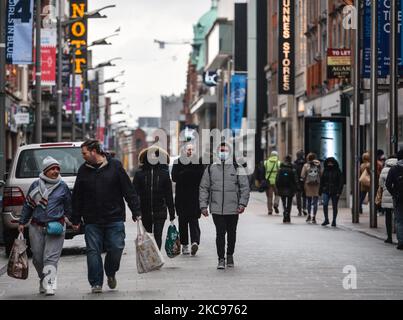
(113, 79)
(105, 64)
(60, 25)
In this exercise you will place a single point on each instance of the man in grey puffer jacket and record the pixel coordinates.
(226, 190)
(387, 198)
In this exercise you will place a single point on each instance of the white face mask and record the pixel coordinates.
(223, 155)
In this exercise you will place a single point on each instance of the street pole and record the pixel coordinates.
(73, 99)
(59, 134)
(374, 112)
(38, 76)
(83, 115)
(356, 116)
(393, 114)
(3, 13)
(229, 66)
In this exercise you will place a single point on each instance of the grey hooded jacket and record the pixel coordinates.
(224, 189)
(387, 199)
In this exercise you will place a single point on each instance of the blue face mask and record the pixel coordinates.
(223, 156)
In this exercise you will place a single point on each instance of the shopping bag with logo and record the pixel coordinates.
(148, 256)
(172, 242)
(18, 262)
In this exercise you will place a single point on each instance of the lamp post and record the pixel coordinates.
(38, 75)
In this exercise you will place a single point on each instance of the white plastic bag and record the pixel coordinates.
(148, 256)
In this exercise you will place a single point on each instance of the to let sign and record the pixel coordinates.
(338, 63)
(286, 58)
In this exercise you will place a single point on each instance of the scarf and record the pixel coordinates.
(39, 196)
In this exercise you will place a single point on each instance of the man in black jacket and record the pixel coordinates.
(394, 184)
(187, 173)
(154, 187)
(301, 198)
(98, 194)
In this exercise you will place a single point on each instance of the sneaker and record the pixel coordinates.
(270, 213)
(41, 287)
(185, 250)
(221, 264)
(326, 223)
(230, 261)
(96, 289)
(194, 248)
(314, 220)
(276, 210)
(334, 225)
(308, 219)
(390, 241)
(112, 282)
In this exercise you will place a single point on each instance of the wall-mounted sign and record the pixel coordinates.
(338, 63)
(78, 34)
(210, 78)
(22, 118)
(286, 56)
(19, 31)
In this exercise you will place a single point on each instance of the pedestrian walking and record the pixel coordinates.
(387, 198)
(154, 187)
(365, 178)
(394, 184)
(225, 190)
(331, 187)
(187, 173)
(287, 185)
(272, 165)
(47, 204)
(311, 174)
(99, 190)
(301, 197)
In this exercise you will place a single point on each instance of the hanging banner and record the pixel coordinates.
(48, 53)
(78, 34)
(238, 99)
(338, 63)
(19, 31)
(286, 55)
(384, 27)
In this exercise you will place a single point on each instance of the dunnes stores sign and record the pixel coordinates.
(78, 34)
(286, 58)
(338, 63)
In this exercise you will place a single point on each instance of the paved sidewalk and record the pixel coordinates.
(344, 219)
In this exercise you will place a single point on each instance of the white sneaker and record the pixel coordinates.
(50, 291)
(185, 250)
(96, 289)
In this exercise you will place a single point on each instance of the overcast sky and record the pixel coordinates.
(149, 71)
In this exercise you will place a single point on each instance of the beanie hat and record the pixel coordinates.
(274, 154)
(49, 163)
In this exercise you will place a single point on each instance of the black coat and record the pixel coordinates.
(187, 178)
(98, 194)
(154, 186)
(287, 180)
(331, 181)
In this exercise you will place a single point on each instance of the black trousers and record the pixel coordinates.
(389, 222)
(187, 224)
(156, 229)
(225, 224)
(287, 205)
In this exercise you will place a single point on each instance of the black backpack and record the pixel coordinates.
(399, 188)
(285, 178)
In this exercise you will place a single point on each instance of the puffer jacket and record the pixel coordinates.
(332, 179)
(272, 166)
(223, 189)
(387, 199)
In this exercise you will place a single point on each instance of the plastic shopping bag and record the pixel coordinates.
(18, 262)
(148, 256)
(172, 242)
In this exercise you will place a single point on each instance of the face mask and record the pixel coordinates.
(223, 155)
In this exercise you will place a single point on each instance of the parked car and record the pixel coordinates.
(24, 170)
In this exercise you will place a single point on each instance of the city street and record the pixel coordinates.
(273, 261)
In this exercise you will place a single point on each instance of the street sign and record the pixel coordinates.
(210, 78)
(22, 118)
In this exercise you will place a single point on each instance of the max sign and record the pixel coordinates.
(78, 34)
(286, 58)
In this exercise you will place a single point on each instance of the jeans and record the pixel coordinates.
(156, 229)
(335, 201)
(186, 224)
(287, 204)
(399, 222)
(312, 203)
(301, 201)
(225, 225)
(389, 222)
(110, 237)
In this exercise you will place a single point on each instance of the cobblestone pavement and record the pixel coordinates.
(273, 261)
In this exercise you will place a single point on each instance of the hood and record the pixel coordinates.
(286, 165)
(366, 157)
(391, 162)
(300, 155)
(336, 164)
(143, 161)
(273, 159)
